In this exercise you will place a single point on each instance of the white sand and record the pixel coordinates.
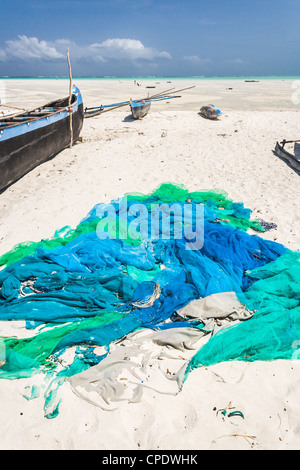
(118, 155)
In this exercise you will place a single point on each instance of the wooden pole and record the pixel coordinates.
(161, 93)
(167, 92)
(12, 107)
(70, 99)
(183, 89)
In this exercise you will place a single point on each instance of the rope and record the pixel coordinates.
(70, 99)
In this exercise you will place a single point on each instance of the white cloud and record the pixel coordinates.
(31, 48)
(237, 62)
(131, 49)
(26, 48)
(2, 55)
(76, 52)
(198, 60)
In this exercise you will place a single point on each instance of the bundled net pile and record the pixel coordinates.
(78, 290)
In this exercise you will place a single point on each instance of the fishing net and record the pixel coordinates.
(274, 330)
(87, 288)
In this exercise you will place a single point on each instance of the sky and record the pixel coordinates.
(150, 37)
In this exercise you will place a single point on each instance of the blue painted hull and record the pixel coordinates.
(27, 141)
(139, 109)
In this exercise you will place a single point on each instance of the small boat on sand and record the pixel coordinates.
(292, 158)
(139, 109)
(30, 138)
(210, 112)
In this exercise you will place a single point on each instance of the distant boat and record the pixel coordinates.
(292, 159)
(210, 112)
(139, 109)
(30, 138)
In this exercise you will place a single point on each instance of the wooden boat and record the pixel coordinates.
(30, 138)
(292, 159)
(139, 109)
(210, 112)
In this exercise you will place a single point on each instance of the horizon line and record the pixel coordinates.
(65, 77)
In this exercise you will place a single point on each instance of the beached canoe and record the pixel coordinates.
(210, 112)
(139, 109)
(30, 138)
(292, 158)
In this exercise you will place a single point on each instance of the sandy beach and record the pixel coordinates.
(118, 155)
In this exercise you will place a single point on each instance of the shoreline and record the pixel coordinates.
(226, 94)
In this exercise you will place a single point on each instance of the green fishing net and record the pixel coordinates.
(274, 330)
(77, 290)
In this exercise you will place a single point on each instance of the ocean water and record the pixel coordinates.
(158, 78)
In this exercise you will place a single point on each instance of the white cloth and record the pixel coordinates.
(155, 359)
(218, 306)
(144, 359)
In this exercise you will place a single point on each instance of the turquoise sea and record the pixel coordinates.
(158, 78)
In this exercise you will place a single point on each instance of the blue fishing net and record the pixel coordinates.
(88, 287)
